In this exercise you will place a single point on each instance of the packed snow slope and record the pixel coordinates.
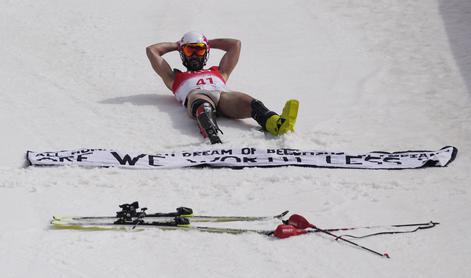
(370, 75)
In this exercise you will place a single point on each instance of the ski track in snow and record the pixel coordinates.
(369, 76)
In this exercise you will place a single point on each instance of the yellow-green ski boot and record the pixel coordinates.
(281, 124)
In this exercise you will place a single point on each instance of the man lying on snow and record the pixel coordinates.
(204, 92)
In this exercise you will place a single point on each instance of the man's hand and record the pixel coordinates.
(160, 66)
(230, 59)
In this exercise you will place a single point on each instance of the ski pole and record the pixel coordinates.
(420, 226)
(299, 222)
(386, 255)
(302, 223)
(431, 224)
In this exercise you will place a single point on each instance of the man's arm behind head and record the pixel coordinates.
(160, 66)
(230, 59)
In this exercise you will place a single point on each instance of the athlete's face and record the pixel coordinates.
(195, 54)
(195, 63)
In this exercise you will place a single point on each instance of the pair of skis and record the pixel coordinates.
(129, 218)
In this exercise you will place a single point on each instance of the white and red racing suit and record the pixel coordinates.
(205, 79)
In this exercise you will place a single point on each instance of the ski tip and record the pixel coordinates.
(281, 215)
(386, 255)
(58, 221)
(62, 217)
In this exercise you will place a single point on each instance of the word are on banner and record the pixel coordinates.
(244, 157)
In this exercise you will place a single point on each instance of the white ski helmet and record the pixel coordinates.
(193, 37)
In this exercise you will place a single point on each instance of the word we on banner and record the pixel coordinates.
(244, 157)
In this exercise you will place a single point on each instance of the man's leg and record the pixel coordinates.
(235, 105)
(239, 105)
(201, 107)
(194, 100)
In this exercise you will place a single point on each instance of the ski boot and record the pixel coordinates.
(281, 124)
(206, 121)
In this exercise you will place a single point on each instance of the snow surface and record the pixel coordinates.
(370, 75)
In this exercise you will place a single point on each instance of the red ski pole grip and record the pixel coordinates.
(285, 231)
(299, 222)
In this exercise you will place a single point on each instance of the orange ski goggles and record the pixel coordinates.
(194, 48)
